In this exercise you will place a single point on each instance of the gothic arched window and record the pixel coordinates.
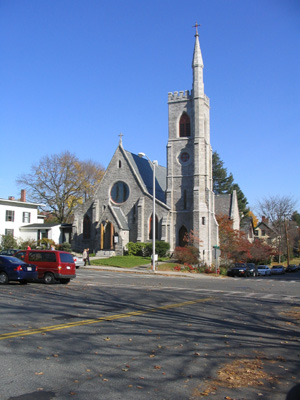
(151, 227)
(184, 126)
(182, 236)
(86, 227)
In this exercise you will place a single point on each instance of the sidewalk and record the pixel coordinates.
(146, 269)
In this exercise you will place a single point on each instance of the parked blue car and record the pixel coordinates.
(13, 269)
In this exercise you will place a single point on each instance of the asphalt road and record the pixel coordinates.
(113, 335)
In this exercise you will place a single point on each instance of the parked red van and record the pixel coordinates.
(52, 264)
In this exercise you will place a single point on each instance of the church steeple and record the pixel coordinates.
(197, 65)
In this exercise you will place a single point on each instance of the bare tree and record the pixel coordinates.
(278, 210)
(60, 182)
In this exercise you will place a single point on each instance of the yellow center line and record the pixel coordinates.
(96, 320)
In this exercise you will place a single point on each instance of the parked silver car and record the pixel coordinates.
(278, 270)
(78, 261)
(263, 270)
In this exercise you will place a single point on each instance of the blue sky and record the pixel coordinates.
(76, 73)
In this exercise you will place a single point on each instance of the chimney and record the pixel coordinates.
(23, 195)
(11, 198)
(264, 219)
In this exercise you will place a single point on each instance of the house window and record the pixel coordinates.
(9, 232)
(256, 232)
(184, 126)
(184, 200)
(263, 233)
(120, 164)
(26, 217)
(203, 220)
(10, 216)
(86, 227)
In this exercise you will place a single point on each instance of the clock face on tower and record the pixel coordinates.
(184, 157)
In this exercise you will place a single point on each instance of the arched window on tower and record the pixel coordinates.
(184, 126)
(86, 227)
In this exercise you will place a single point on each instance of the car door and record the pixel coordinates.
(37, 258)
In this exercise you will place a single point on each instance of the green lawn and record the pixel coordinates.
(122, 261)
(135, 261)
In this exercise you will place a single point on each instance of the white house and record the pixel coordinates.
(59, 233)
(21, 219)
(14, 214)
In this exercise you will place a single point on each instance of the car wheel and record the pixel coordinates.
(23, 282)
(48, 278)
(3, 278)
(64, 281)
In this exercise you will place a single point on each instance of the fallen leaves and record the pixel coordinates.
(237, 374)
(293, 313)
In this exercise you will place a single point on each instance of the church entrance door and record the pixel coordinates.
(107, 239)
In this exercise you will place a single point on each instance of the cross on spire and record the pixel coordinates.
(196, 26)
(121, 134)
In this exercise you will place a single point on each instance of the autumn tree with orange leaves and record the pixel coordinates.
(234, 245)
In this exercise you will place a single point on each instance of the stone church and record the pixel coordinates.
(121, 210)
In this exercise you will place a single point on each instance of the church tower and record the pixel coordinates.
(189, 165)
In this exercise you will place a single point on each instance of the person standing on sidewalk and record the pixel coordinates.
(84, 256)
(88, 256)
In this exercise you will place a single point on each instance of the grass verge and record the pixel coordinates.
(122, 261)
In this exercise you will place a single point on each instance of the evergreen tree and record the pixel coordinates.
(296, 217)
(222, 182)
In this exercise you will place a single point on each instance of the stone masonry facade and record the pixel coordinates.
(121, 209)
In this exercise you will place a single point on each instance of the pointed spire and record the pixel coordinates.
(197, 65)
(197, 59)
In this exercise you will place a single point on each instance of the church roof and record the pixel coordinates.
(144, 171)
(223, 203)
(123, 224)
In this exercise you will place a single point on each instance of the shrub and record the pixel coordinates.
(145, 249)
(162, 248)
(24, 244)
(187, 255)
(8, 242)
(135, 249)
(46, 243)
(65, 247)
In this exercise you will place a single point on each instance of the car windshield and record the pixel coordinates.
(12, 260)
